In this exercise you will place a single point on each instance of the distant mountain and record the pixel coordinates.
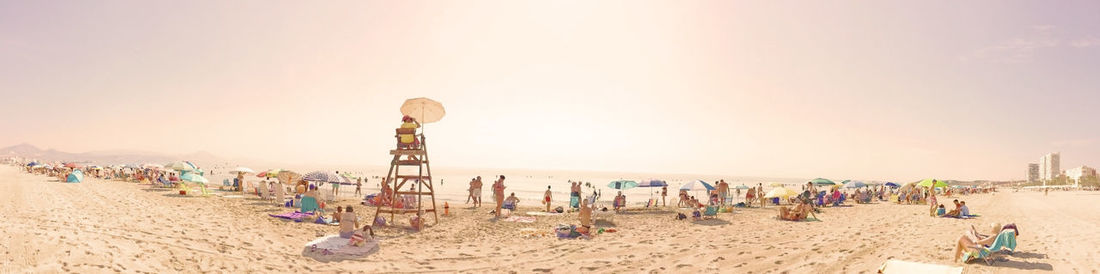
(107, 157)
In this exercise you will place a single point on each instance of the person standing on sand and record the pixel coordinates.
(664, 193)
(240, 181)
(498, 193)
(546, 198)
(723, 191)
(585, 216)
(760, 192)
(470, 191)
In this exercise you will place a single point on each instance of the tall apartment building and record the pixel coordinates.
(1032, 173)
(1050, 167)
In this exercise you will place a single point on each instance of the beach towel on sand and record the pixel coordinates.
(520, 219)
(334, 247)
(899, 266)
(297, 216)
(540, 213)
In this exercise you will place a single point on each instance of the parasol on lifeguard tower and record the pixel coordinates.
(424, 110)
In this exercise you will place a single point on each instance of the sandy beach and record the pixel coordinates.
(110, 226)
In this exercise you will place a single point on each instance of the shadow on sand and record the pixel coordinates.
(711, 222)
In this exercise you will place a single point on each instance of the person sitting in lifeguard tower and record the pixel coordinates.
(407, 133)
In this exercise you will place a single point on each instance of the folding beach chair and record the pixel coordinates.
(711, 212)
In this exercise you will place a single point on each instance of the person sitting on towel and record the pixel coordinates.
(620, 201)
(585, 216)
(348, 222)
(963, 210)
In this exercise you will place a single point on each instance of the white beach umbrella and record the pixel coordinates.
(242, 169)
(424, 110)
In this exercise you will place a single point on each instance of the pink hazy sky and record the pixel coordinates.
(889, 90)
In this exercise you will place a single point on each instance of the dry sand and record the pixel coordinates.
(109, 226)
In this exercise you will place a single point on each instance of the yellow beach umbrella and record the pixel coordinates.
(780, 192)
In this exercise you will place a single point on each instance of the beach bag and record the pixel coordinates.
(559, 209)
(681, 216)
(380, 221)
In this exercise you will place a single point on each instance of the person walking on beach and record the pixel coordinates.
(546, 198)
(476, 192)
(498, 193)
(470, 191)
(358, 187)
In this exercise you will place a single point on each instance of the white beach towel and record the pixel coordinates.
(899, 266)
(337, 248)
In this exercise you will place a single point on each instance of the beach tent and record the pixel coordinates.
(822, 182)
(75, 177)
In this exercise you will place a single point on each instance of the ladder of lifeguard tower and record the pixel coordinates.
(422, 178)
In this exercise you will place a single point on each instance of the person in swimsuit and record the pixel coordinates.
(498, 193)
(664, 192)
(476, 192)
(585, 217)
(546, 198)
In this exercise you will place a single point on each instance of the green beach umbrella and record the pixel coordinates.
(822, 182)
(932, 183)
(622, 184)
(194, 178)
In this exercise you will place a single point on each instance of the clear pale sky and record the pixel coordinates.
(891, 90)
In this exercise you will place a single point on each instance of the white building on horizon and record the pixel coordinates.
(1077, 173)
(1050, 167)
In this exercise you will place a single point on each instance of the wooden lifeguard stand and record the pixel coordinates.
(415, 155)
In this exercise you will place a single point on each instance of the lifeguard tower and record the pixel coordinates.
(410, 173)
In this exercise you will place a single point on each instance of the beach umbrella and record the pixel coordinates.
(75, 177)
(153, 166)
(325, 177)
(349, 176)
(31, 164)
(931, 183)
(696, 185)
(288, 176)
(181, 166)
(892, 184)
(622, 184)
(271, 173)
(653, 183)
(194, 178)
(242, 169)
(854, 184)
(72, 165)
(741, 187)
(822, 182)
(424, 110)
(780, 192)
(775, 184)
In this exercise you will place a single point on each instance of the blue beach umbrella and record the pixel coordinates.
(892, 184)
(653, 183)
(696, 185)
